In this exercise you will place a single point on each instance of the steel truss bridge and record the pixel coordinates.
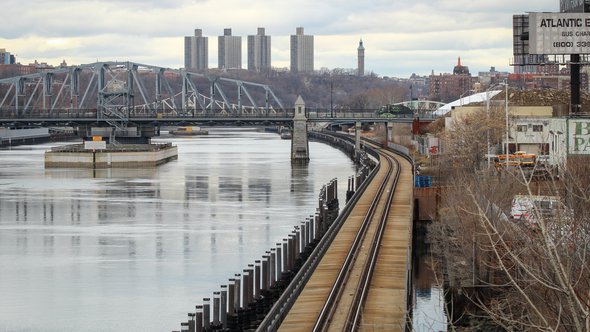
(136, 99)
(115, 92)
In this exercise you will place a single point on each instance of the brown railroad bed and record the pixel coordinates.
(385, 307)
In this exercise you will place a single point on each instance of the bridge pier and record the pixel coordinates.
(388, 132)
(299, 142)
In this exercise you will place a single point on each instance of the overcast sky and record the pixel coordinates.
(401, 37)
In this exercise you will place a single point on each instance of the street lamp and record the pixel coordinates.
(332, 98)
(488, 116)
(555, 146)
(507, 129)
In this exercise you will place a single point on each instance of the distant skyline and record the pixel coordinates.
(400, 37)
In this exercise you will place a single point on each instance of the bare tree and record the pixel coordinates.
(466, 143)
(522, 276)
(359, 102)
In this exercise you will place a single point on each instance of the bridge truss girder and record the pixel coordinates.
(110, 88)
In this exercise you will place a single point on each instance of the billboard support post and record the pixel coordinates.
(576, 104)
(562, 34)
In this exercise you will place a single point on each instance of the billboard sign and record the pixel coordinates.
(559, 33)
(95, 145)
(579, 136)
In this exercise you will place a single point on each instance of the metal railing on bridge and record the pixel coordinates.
(46, 117)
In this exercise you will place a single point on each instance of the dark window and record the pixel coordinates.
(537, 128)
(521, 128)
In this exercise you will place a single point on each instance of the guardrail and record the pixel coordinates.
(269, 281)
(93, 114)
(115, 148)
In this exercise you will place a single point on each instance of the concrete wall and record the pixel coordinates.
(24, 133)
(528, 111)
(110, 159)
(460, 112)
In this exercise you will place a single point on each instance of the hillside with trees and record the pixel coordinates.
(337, 88)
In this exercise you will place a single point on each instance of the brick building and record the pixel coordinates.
(448, 87)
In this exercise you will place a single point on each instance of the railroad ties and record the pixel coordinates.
(333, 272)
(362, 281)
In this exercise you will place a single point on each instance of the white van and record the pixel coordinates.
(525, 207)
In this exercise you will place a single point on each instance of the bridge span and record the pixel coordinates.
(117, 94)
(126, 102)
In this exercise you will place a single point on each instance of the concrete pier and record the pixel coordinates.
(113, 156)
(299, 142)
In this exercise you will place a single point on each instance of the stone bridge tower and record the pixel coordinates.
(299, 143)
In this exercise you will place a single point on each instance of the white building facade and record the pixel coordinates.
(552, 138)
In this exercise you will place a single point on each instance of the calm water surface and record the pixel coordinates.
(135, 250)
(428, 311)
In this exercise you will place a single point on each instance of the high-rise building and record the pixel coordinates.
(196, 51)
(229, 51)
(301, 52)
(259, 51)
(6, 58)
(523, 61)
(361, 59)
(574, 6)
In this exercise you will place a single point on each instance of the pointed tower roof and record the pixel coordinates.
(460, 69)
(299, 109)
(299, 101)
(361, 45)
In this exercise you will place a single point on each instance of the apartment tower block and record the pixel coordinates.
(301, 52)
(229, 51)
(196, 51)
(259, 51)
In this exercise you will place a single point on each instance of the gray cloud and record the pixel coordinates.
(401, 36)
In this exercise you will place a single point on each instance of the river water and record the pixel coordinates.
(428, 307)
(136, 249)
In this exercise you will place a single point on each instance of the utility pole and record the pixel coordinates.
(331, 99)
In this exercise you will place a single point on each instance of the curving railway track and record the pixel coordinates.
(361, 282)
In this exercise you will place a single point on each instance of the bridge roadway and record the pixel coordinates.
(81, 117)
(328, 304)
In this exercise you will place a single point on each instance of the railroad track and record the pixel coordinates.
(361, 282)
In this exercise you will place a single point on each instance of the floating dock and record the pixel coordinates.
(189, 131)
(113, 156)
